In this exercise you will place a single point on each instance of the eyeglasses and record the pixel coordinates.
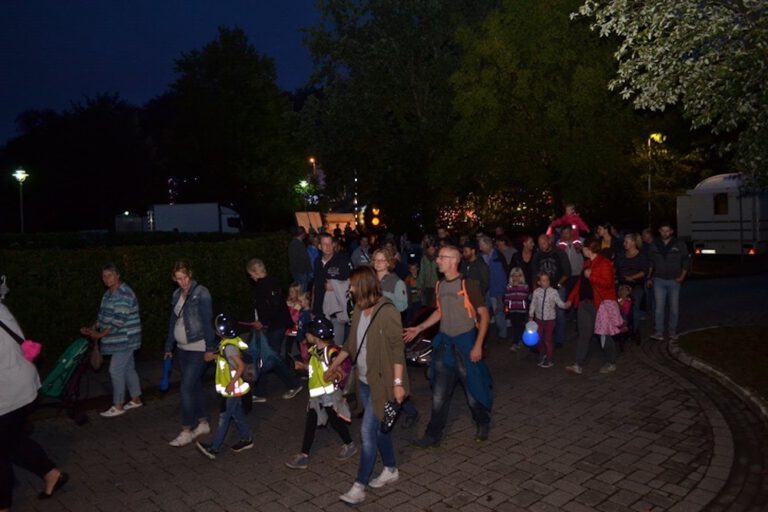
(442, 257)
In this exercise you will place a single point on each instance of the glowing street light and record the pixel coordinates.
(313, 163)
(658, 138)
(21, 175)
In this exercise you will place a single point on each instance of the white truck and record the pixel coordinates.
(722, 216)
(193, 218)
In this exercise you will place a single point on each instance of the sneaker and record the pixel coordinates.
(673, 336)
(243, 444)
(387, 476)
(425, 442)
(547, 364)
(513, 347)
(355, 495)
(657, 336)
(201, 429)
(542, 360)
(132, 405)
(608, 368)
(112, 412)
(258, 399)
(410, 421)
(347, 451)
(574, 368)
(292, 393)
(299, 461)
(481, 434)
(206, 450)
(184, 438)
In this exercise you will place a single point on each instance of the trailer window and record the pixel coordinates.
(721, 203)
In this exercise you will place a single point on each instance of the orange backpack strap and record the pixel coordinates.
(437, 298)
(468, 303)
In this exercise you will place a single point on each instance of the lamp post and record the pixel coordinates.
(21, 175)
(313, 163)
(658, 138)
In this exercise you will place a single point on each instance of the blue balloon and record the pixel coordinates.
(531, 338)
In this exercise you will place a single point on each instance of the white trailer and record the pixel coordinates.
(193, 218)
(722, 216)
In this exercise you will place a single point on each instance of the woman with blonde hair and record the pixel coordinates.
(375, 344)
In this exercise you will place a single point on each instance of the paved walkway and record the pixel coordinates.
(653, 436)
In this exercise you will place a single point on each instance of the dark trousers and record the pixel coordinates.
(338, 424)
(587, 339)
(16, 448)
(444, 380)
(518, 325)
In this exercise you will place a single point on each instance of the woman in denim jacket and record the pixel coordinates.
(190, 329)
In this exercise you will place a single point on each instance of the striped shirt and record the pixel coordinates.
(119, 312)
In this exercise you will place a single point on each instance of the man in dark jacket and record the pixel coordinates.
(298, 258)
(555, 263)
(669, 267)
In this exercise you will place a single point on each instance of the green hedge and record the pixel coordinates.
(56, 291)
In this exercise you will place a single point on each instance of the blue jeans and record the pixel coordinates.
(192, 368)
(560, 326)
(271, 358)
(444, 379)
(663, 290)
(497, 305)
(233, 412)
(372, 439)
(122, 370)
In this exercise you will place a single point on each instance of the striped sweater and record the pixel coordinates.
(119, 312)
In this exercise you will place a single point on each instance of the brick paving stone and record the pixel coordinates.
(591, 497)
(525, 498)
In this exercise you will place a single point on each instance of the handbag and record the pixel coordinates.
(96, 358)
(31, 349)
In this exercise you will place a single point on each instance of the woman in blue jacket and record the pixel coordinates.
(190, 329)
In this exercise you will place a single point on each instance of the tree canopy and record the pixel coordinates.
(710, 57)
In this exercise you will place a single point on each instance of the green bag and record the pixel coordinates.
(55, 383)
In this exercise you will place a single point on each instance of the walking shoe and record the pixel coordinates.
(201, 429)
(347, 451)
(574, 368)
(112, 412)
(657, 336)
(608, 368)
(410, 421)
(547, 364)
(481, 434)
(542, 360)
(258, 399)
(243, 444)
(206, 450)
(513, 347)
(132, 405)
(673, 336)
(387, 476)
(354, 495)
(292, 393)
(425, 442)
(185, 437)
(299, 461)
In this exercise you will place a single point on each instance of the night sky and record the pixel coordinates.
(54, 52)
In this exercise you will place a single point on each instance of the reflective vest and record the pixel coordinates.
(319, 361)
(224, 373)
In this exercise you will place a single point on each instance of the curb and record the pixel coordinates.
(750, 397)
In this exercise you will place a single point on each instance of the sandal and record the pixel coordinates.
(63, 479)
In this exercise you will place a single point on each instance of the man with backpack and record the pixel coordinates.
(457, 350)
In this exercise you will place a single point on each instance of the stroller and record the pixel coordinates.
(63, 381)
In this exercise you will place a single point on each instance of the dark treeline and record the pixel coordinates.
(425, 102)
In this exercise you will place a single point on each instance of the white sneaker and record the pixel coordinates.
(112, 412)
(355, 495)
(183, 439)
(132, 405)
(574, 368)
(201, 429)
(387, 476)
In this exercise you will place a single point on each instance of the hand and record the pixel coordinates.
(209, 356)
(298, 365)
(588, 273)
(410, 333)
(328, 286)
(649, 284)
(329, 374)
(399, 394)
(86, 331)
(168, 355)
(257, 325)
(679, 279)
(230, 389)
(476, 354)
(568, 305)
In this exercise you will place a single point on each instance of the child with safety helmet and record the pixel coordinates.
(326, 399)
(229, 384)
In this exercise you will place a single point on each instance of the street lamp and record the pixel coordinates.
(21, 175)
(658, 138)
(313, 163)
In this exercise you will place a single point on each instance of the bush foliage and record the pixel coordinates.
(56, 291)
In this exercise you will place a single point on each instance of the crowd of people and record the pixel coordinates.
(355, 301)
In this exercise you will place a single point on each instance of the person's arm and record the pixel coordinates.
(400, 296)
(411, 332)
(205, 304)
(170, 340)
(685, 262)
(476, 354)
(565, 267)
(239, 369)
(331, 371)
